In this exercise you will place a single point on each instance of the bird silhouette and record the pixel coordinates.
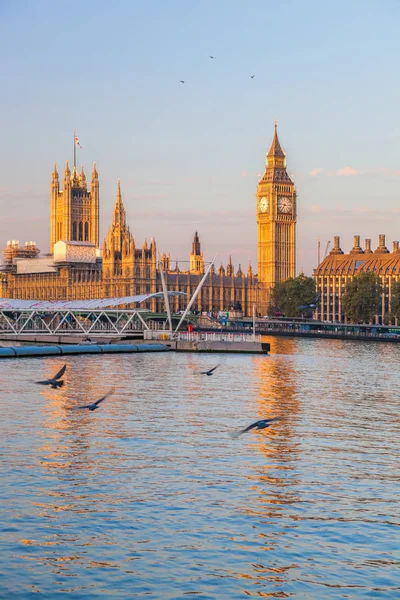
(252, 76)
(262, 424)
(210, 372)
(56, 381)
(181, 81)
(94, 405)
(212, 56)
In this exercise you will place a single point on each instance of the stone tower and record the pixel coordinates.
(119, 245)
(74, 209)
(276, 220)
(196, 256)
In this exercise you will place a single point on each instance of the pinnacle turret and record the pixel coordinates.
(74, 178)
(119, 211)
(95, 174)
(229, 268)
(67, 172)
(196, 245)
(82, 179)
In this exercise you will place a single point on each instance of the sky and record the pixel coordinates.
(189, 156)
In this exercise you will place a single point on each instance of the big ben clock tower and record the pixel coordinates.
(276, 220)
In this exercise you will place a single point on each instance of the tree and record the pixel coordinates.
(293, 296)
(362, 297)
(395, 300)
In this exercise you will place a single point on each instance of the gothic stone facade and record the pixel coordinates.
(123, 269)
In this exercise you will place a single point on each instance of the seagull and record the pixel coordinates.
(212, 56)
(263, 424)
(208, 373)
(94, 405)
(55, 381)
(252, 76)
(181, 81)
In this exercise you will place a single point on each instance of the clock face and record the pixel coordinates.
(284, 205)
(263, 204)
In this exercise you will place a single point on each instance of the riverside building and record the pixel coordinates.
(338, 268)
(79, 268)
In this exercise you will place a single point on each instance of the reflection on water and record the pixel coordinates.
(150, 496)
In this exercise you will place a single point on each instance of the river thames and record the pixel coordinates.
(149, 495)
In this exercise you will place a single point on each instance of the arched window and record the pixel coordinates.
(86, 232)
(80, 237)
(74, 231)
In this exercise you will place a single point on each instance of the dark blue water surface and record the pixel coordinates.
(149, 496)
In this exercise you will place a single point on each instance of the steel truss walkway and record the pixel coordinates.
(84, 317)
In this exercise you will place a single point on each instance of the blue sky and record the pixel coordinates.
(189, 155)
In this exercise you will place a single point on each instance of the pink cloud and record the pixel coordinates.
(346, 172)
(315, 172)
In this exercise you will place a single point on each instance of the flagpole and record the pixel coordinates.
(74, 149)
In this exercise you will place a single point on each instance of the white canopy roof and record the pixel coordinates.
(99, 303)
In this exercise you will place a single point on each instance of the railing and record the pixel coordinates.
(199, 336)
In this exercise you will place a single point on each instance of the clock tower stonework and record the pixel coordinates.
(276, 220)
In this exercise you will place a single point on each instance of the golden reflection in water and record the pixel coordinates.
(67, 434)
(276, 397)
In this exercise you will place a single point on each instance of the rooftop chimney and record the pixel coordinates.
(356, 247)
(368, 247)
(395, 246)
(381, 249)
(336, 246)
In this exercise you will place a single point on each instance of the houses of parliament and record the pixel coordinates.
(79, 268)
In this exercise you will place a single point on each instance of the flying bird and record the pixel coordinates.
(94, 405)
(181, 81)
(263, 424)
(55, 381)
(252, 76)
(210, 372)
(212, 56)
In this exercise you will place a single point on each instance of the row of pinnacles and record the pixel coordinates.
(121, 258)
(74, 209)
(120, 255)
(75, 217)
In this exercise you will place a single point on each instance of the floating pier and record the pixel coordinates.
(237, 343)
(58, 350)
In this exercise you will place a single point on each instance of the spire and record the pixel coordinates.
(82, 179)
(276, 149)
(95, 174)
(196, 245)
(119, 211)
(67, 172)
(54, 178)
(229, 268)
(276, 163)
(118, 199)
(74, 177)
(249, 270)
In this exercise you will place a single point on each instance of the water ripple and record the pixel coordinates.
(149, 496)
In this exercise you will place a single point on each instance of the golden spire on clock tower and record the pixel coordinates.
(276, 220)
